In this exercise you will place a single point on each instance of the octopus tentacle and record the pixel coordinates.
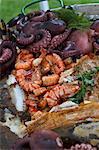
(82, 146)
(70, 53)
(39, 16)
(96, 45)
(30, 27)
(42, 43)
(21, 23)
(24, 39)
(6, 55)
(54, 26)
(58, 39)
(22, 144)
(50, 15)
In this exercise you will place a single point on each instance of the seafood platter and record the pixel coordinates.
(49, 80)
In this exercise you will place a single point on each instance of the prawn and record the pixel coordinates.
(36, 75)
(37, 61)
(24, 60)
(56, 63)
(24, 79)
(32, 106)
(39, 91)
(59, 92)
(42, 103)
(50, 79)
(45, 66)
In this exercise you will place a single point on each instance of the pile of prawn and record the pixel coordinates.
(40, 78)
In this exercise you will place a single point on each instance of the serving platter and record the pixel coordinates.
(7, 137)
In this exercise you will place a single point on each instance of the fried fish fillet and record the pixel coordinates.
(70, 116)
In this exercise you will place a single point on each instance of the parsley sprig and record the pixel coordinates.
(86, 80)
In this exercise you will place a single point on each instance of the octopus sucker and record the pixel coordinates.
(25, 39)
(42, 43)
(82, 146)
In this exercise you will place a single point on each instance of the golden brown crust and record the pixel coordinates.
(65, 117)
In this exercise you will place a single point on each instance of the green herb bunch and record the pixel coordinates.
(73, 18)
(87, 82)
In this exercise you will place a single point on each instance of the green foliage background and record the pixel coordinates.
(10, 8)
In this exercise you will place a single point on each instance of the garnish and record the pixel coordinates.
(87, 83)
(73, 18)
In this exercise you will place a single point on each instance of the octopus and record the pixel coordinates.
(36, 30)
(82, 146)
(58, 39)
(7, 57)
(24, 39)
(77, 43)
(44, 139)
(39, 29)
(54, 26)
(95, 26)
(43, 40)
(47, 140)
(43, 16)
